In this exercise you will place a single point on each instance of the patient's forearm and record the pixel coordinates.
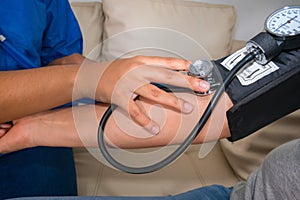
(79, 128)
(175, 127)
(76, 127)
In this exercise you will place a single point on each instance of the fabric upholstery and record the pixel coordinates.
(90, 18)
(186, 173)
(209, 25)
(246, 155)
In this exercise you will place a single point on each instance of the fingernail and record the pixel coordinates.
(187, 107)
(153, 128)
(5, 125)
(204, 85)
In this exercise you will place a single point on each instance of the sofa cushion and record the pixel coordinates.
(90, 18)
(168, 25)
(246, 155)
(188, 172)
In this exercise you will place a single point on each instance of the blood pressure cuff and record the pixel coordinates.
(266, 100)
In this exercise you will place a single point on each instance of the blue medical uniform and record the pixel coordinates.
(40, 31)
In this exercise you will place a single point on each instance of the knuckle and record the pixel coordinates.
(178, 62)
(135, 113)
(174, 102)
(169, 74)
(155, 92)
(193, 82)
(139, 117)
(144, 121)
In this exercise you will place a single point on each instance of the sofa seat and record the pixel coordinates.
(186, 173)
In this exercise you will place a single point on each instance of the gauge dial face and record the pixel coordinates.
(284, 22)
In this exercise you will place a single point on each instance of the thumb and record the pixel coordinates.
(13, 140)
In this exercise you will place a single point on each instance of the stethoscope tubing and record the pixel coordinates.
(187, 142)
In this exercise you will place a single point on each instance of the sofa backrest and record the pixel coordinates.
(251, 14)
(123, 25)
(198, 28)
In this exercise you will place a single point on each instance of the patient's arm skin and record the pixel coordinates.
(34, 90)
(58, 128)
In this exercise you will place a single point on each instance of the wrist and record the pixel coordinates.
(86, 82)
(216, 126)
(74, 59)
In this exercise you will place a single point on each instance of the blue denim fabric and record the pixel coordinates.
(41, 171)
(214, 192)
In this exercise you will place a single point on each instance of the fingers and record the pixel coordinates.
(154, 94)
(5, 147)
(134, 76)
(157, 95)
(4, 128)
(197, 84)
(166, 76)
(16, 138)
(139, 116)
(157, 70)
(6, 125)
(173, 77)
(173, 63)
(9, 144)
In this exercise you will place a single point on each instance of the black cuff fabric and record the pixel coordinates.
(266, 100)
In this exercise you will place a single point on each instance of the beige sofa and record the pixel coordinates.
(117, 28)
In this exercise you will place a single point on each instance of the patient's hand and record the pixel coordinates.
(78, 127)
(52, 128)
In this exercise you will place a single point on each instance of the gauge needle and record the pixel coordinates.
(294, 19)
(287, 22)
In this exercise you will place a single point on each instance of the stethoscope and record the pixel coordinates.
(282, 32)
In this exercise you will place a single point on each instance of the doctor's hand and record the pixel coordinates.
(125, 79)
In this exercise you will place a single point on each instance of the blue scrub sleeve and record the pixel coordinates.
(62, 36)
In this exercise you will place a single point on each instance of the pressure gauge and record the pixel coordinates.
(284, 22)
(282, 33)
(284, 25)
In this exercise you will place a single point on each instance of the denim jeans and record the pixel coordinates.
(40, 171)
(214, 192)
